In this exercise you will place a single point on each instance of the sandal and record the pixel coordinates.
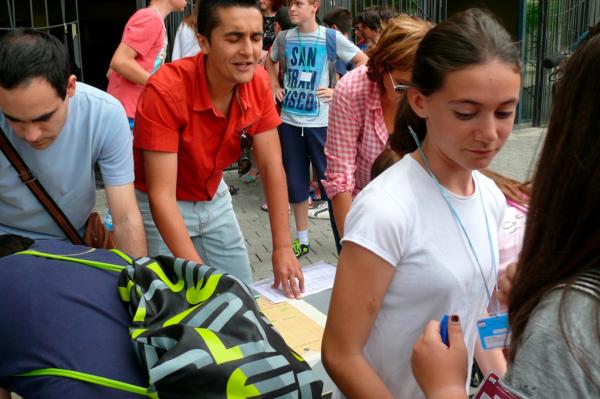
(265, 208)
(233, 190)
(247, 179)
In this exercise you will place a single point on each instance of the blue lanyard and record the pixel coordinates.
(461, 225)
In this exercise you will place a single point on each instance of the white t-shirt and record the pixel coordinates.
(307, 71)
(402, 217)
(186, 43)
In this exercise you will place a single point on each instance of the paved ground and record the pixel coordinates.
(515, 160)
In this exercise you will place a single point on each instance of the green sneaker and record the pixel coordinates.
(300, 249)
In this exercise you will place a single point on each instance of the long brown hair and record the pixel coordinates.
(192, 19)
(512, 189)
(396, 47)
(468, 38)
(562, 237)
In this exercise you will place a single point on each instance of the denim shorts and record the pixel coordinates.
(213, 228)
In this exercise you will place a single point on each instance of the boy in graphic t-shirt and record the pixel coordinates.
(305, 104)
(142, 51)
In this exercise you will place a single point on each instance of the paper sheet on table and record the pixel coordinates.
(299, 323)
(317, 277)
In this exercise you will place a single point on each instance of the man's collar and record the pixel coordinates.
(202, 100)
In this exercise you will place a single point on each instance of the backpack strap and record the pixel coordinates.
(330, 43)
(281, 41)
(99, 265)
(38, 191)
(92, 379)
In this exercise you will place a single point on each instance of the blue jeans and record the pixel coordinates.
(213, 228)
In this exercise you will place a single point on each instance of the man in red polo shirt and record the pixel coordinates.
(189, 122)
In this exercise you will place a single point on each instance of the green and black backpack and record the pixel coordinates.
(198, 333)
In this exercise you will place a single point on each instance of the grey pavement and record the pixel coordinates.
(516, 160)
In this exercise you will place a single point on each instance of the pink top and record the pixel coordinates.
(145, 33)
(356, 134)
(510, 236)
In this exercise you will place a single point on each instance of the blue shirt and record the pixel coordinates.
(96, 130)
(64, 315)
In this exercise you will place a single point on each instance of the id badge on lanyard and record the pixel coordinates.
(494, 332)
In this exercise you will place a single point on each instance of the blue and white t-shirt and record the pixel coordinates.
(307, 70)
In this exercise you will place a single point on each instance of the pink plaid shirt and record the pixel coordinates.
(356, 133)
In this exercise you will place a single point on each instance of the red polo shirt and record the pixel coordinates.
(175, 114)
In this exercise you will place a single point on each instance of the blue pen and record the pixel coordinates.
(444, 329)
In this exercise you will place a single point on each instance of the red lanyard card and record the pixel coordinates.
(492, 388)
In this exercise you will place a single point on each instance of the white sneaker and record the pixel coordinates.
(319, 212)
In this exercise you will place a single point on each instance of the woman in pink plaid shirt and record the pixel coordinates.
(362, 113)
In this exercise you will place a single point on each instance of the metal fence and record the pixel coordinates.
(433, 10)
(61, 18)
(548, 27)
(551, 27)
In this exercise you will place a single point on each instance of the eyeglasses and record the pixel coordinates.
(398, 88)
(245, 163)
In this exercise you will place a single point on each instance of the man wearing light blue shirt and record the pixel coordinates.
(61, 129)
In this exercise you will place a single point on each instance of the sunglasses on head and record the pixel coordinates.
(245, 163)
(398, 87)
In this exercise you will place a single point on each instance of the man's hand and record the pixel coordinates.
(325, 94)
(286, 270)
(505, 282)
(440, 370)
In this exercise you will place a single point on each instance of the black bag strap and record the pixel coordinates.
(38, 190)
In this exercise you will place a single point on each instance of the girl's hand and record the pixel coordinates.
(441, 371)
(505, 282)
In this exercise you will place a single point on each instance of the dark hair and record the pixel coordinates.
(340, 17)
(468, 38)
(12, 243)
(282, 17)
(26, 54)
(387, 158)
(210, 19)
(276, 5)
(375, 17)
(562, 237)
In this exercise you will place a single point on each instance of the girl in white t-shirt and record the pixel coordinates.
(186, 40)
(554, 294)
(421, 239)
